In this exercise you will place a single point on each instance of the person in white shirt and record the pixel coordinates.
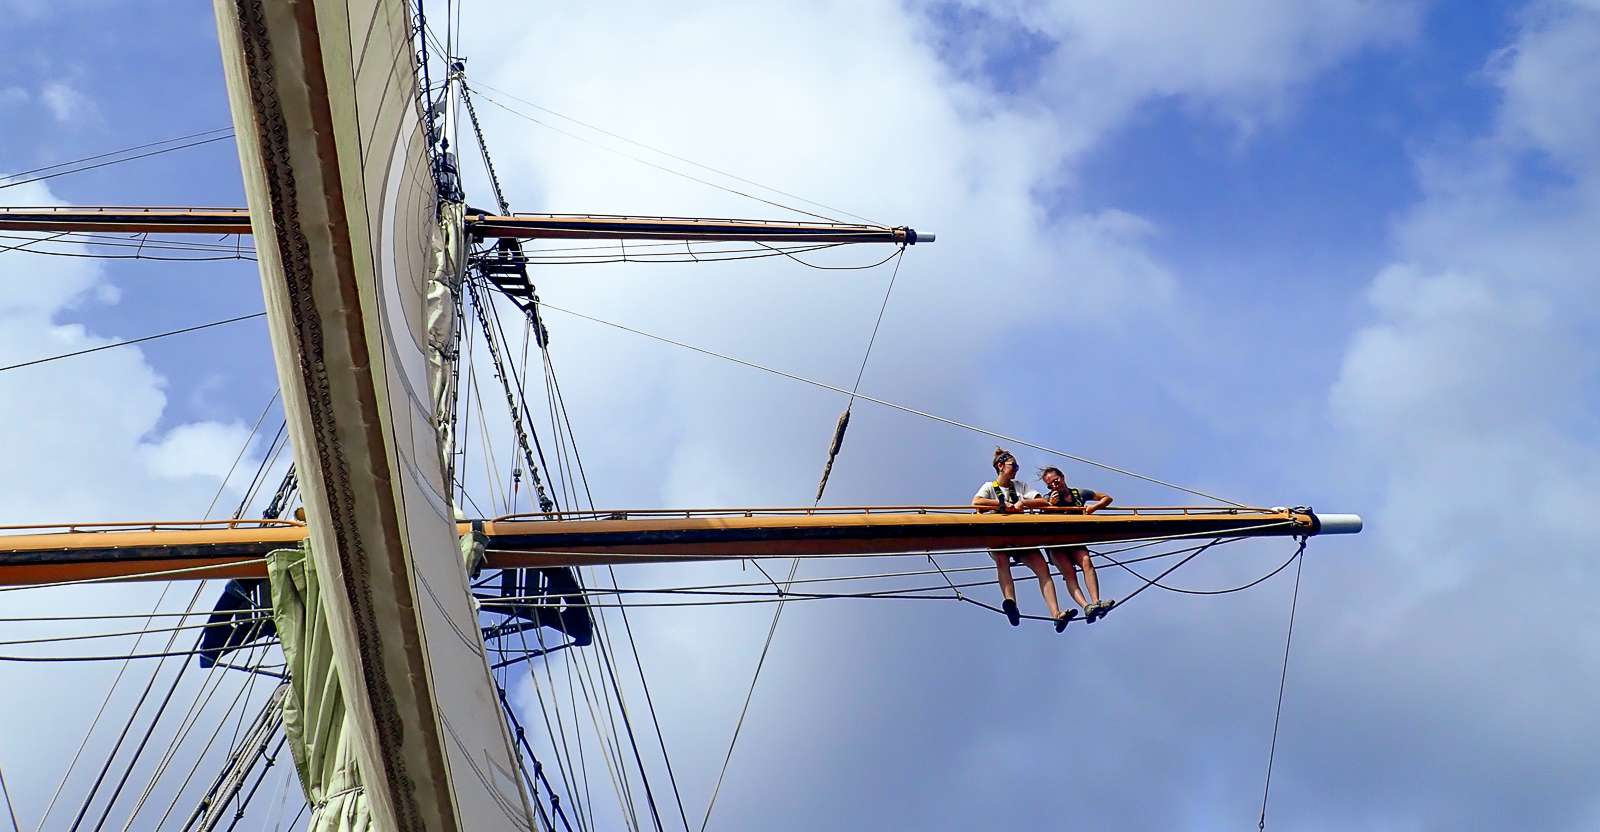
(1008, 495)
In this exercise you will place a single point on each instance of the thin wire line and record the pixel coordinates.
(191, 614)
(229, 130)
(134, 341)
(242, 451)
(677, 157)
(114, 162)
(1283, 678)
(11, 808)
(124, 634)
(739, 726)
(900, 407)
(651, 164)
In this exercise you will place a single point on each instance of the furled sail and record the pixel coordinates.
(314, 718)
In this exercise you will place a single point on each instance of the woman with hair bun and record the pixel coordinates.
(1008, 495)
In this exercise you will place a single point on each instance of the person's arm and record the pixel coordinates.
(1100, 502)
(1033, 502)
(984, 503)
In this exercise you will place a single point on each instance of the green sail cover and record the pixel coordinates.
(313, 712)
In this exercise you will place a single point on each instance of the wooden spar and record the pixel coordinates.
(589, 226)
(127, 220)
(480, 226)
(82, 553)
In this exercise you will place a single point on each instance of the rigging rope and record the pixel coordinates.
(644, 684)
(650, 164)
(900, 407)
(242, 451)
(1283, 678)
(677, 157)
(738, 726)
(133, 341)
(11, 808)
(14, 183)
(844, 418)
(822, 484)
(563, 764)
(228, 130)
(105, 768)
(478, 304)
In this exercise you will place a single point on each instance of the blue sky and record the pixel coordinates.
(1336, 253)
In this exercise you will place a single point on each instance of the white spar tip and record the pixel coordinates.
(925, 236)
(1338, 523)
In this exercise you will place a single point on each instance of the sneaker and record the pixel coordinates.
(1013, 615)
(1065, 618)
(1098, 609)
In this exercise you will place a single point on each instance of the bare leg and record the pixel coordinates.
(1047, 585)
(1069, 575)
(1081, 556)
(1002, 564)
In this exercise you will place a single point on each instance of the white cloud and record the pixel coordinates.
(65, 102)
(855, 105)
(88, 439)
(1550, 83)
(1240, 58)
(1469, 401)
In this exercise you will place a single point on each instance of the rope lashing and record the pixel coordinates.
(833, 450)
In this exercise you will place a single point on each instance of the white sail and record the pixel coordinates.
(344, 208)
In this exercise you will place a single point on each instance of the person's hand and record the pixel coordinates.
(1014, 509)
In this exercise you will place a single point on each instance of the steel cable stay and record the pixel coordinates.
(131, 341)
(127, 633)
(186, 724)
(669, 155)
(118, 152)
(911, 593)
(563, 763)
(565, 440)
(1283, 679)
(558, 405)
(834, 448)
(900, 407)
(255, 662)
(1104, 554)
(127, 659)
(11, 181)
(558, 401)
(156, 720)
(610, 748)
(208, 689)
(241, 701)
(105, 768)
(647, 163)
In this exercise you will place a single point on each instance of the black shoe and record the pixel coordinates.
(1014, 615)
(1065, 618)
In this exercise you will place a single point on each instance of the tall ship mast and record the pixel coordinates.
(392, 604)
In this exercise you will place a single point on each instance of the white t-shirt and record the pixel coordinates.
(1016, 492)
